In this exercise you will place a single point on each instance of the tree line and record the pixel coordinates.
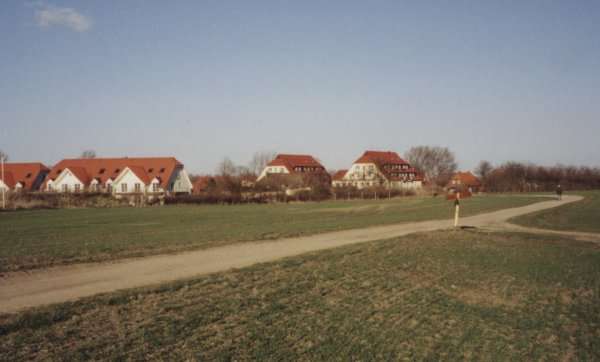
(515, 176)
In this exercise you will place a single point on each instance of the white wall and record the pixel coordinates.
(127, 177)
(272, 169)
(3, 186)
(66, 177)
(181, 181)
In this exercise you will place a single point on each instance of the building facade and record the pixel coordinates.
(285, 164)
(119, 176)
(379, 169)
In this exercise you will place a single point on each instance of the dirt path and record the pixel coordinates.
(59, 284)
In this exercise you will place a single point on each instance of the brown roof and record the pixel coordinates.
(466, 178)
(141, 173)
(339, 175)
(25, 173)
(381, 157)
(8, 180)
(103, 169)
(292, 161)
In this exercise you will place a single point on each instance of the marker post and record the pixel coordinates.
(456, 209)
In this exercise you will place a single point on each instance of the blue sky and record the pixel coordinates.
(201, 80)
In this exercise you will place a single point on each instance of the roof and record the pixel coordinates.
(103, 169)
(293, 161)
(140, 173)
(466, 178)
(26, 173)
(339, 175)
(381, 157)
(8, 180)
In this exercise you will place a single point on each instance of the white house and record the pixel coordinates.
(292, 164)
(379, 169)
(119, 176)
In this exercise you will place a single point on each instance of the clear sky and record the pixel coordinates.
(201, 80)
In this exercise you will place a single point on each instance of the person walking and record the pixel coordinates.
(559, 192)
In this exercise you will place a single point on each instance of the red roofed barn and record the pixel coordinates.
(119, 176)
(379, 169)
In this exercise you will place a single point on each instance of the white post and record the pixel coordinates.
(456, 209)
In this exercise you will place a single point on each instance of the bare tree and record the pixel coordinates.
(226, 168)
(260, 160)
(88, 154)
(436, 163)
(3, 156)
(483, 170)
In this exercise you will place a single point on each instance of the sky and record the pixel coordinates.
(204, 80)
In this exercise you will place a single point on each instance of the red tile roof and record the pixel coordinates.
(381, 157)
(339, 175)
(292, 161)
(8, 180)
(389, 158)
(25, 173)
(466, 178)
(104, 168)
(141, 174)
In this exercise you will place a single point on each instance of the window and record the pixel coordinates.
(123, 187)
(109, 188)
(155, 187)
(77, 188)
(138, 187)
(65, 188)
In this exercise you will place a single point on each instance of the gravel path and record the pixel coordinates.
(21, 290)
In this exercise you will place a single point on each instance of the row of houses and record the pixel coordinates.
(118, 176)
(166, 175)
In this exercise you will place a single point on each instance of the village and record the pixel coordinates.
(156, 177)
(299, 180)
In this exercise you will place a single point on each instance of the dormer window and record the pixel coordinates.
(101, 171)
(150, 170)
(117, 170)
(28, 175)
(162, 170)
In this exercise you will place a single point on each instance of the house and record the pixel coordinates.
(292, 165)
(379, 169)
(23, 176)
(119, 176)
(464, 181)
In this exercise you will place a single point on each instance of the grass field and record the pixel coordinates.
(580, 216)
(33, 239)
(437, 296)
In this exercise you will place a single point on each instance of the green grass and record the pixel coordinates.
(580, 216)
(435, 296)
(33, 239)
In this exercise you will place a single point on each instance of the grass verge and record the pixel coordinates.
(34, 239)
(579, 216)
(437, 296)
